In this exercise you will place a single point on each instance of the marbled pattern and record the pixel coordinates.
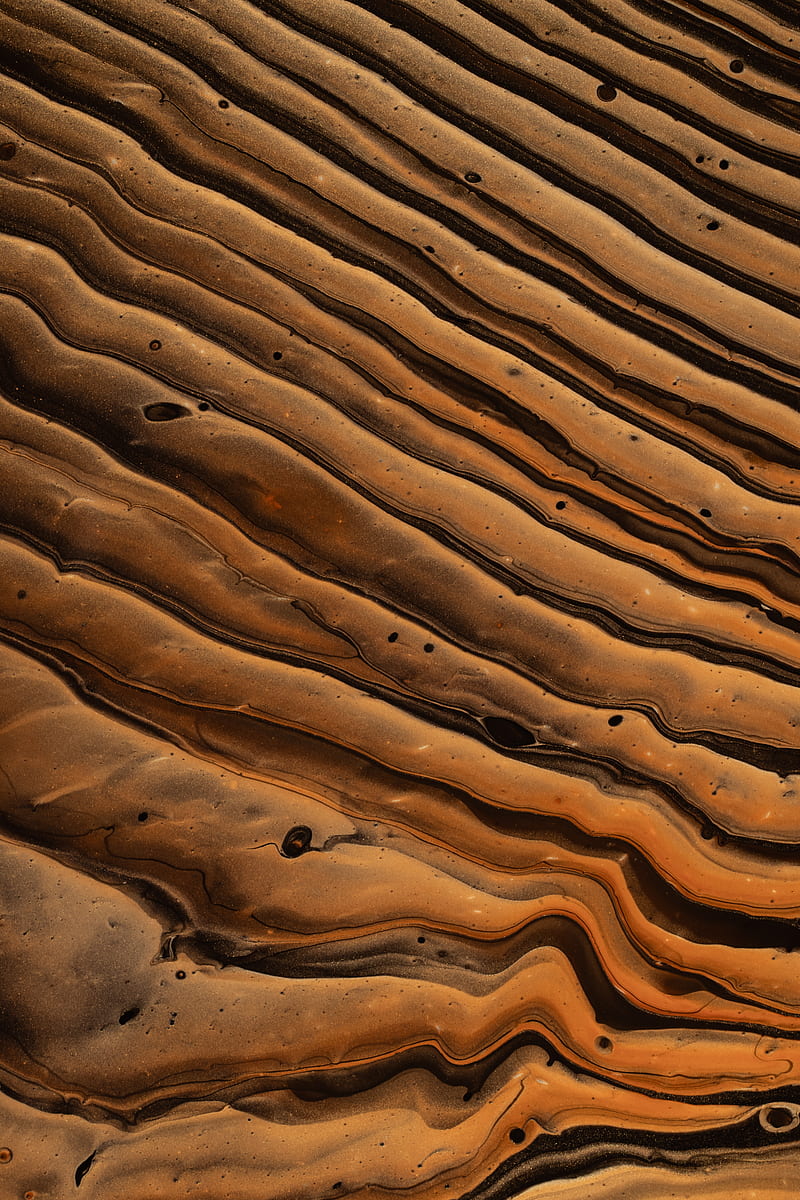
(399, 599)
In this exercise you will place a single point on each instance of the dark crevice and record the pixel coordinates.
(83, 1168)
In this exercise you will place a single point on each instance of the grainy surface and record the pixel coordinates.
(399, 601)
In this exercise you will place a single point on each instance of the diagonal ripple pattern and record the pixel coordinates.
(399, 599)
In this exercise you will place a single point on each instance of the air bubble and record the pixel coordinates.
(296, 842)
(7, 151)
(606, 92)
(779, 1118)
(508, 733)
(517, 1136)
(472, 177)
(165, 412)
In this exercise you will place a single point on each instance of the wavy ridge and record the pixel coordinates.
(399, 605)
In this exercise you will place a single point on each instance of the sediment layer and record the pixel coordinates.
(399, 604)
